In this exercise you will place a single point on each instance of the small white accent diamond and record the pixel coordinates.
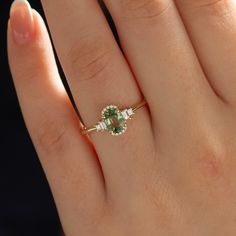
(125, 114)
(130, 111)
(100, 126)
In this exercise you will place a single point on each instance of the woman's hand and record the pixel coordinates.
(174, 171)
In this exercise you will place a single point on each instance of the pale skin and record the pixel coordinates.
(174, 171)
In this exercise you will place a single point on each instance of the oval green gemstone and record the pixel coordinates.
(114, 120)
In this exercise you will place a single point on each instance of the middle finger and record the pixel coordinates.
(161, 55)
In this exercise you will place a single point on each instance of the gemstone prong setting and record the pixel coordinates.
(114, 120)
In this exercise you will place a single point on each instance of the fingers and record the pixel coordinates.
(99, 76)
(68, 160)
(163, 60)
(212, 28)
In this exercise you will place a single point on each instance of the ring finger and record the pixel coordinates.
(98, 76)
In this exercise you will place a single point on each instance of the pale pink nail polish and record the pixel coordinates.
(21, 20)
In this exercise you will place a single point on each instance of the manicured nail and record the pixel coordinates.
(21, 20)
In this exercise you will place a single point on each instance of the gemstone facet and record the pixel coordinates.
(114, 120)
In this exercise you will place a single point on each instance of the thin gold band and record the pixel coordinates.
(87, 130)
(139, 105)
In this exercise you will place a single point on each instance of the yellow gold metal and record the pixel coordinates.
(87, 130)
(139, 105)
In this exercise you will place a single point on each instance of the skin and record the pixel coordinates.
(174, 171)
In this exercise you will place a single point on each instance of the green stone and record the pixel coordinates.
(114, 120)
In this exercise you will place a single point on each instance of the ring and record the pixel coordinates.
(114, 120)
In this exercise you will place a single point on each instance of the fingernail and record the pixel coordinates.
(21, 20)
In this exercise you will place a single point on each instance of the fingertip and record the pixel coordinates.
(31, 56)
(22, 22)
(25, 24)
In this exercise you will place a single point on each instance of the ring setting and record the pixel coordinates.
(114, 120)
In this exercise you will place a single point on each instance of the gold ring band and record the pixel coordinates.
(113, 120)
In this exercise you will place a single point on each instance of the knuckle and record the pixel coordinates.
(89, 58)
(212, 159)
(143, 9)
(51, 137)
